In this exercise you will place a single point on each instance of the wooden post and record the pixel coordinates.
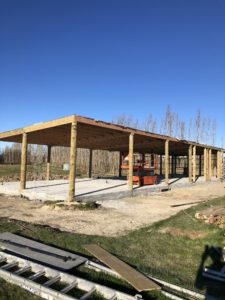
(219, 164)
(194, 164)
(167, 162)
(172, 167)
(205, 164)
(200, 165)
(23, 162)
(73, 152)
(210, 164)
(48, 173)
(131, 162)
(175, 165)
(161, 165)
(120, 163)
(190, 169)
(90, 164)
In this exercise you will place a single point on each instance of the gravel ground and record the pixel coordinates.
(114, 217)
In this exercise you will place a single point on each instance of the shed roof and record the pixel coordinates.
(95, 134)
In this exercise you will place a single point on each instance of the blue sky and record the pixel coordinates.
(101, 58)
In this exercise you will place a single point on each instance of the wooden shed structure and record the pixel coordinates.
(81, 132)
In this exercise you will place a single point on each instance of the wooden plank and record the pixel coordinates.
(135, 278)
(7, 134)
(122, 128)
(50, 124)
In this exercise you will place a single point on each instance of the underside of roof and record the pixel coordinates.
(93, 134)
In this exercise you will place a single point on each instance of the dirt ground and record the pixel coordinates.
(114, 217)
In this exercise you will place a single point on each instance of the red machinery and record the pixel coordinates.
(143, 168)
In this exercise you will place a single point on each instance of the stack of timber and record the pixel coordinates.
(212, 215)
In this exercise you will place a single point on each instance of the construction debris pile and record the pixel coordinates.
(213, 215)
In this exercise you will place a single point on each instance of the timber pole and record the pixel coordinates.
(90, 163)
(200, 165)
(167, 162)
(160, 165)
(48, 173)
(131, 162)
(210, 164)
(219, 164)
(205, 164)
(172, 167)
(23, 163)
(194, 164)
(190, 169)
(175, 165)
(73, 152)
(120, 163)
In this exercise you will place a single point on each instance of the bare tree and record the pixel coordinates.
(198, 126)
(168, 122)
(127, 121)
(150, 124)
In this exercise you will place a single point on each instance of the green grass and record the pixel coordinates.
(14, 170)
(12, 292)
(72, 206)
(176, 259)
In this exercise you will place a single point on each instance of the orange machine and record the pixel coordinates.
(143, 168)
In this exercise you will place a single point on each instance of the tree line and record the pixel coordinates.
(198, 128)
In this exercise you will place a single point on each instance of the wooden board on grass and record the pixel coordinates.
(136, 279)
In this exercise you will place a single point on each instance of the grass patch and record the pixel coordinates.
(72, 206)
(35, 169)
(10, 291)
(175, 258)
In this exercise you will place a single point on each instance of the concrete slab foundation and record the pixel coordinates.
(90, 189)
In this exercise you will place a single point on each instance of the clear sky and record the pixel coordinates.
(101, 58)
